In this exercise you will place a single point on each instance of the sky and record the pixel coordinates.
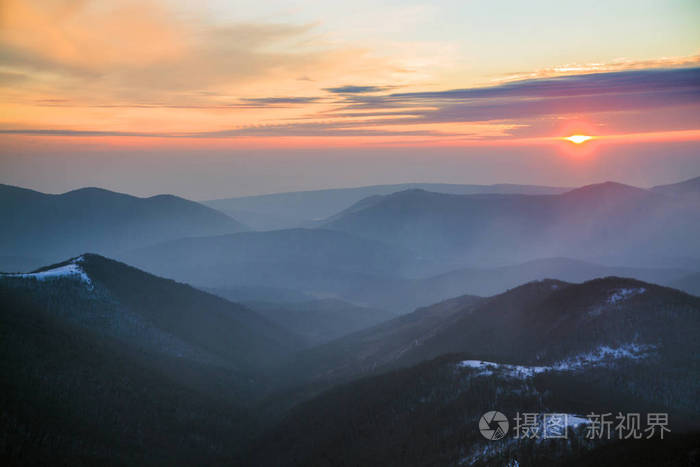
(223, 98)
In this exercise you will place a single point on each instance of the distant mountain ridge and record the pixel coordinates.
(324, 264)
(413, 293)
(396, 252)
(304, 208)
(52, 227)
(607, 219)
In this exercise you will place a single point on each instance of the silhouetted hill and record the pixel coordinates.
(612, 192)
(550, 320)
(155, 314)
(301, 208)
(71, 395)
(428, 415)
(596, 221)
(609, 345)
(52, 227)
(540, 321)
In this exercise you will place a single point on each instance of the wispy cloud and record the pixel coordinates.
(134, 52)
(621, 64)
(275, 102)
(69, 132)
(523, 108)
(141, 68)
(526, 101)
(594, 84)
(349, 89)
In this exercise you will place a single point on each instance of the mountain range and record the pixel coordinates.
(306, 208)
(541, 321)
(377, 336)
(411, 391)
(103, 363)
(605, 220)
(48, 228)
(93, 348)
(325, 264)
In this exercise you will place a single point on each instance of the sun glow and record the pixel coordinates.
(578, 139)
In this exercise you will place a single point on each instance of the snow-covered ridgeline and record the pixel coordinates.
(516, 371)
(70, 270)
(624, 294)
(603, 354)
(598, 357)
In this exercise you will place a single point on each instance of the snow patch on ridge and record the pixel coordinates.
(601, 356)
(623, 294)
(515, 371)
(70, 270)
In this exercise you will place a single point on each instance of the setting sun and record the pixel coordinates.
(578, 139)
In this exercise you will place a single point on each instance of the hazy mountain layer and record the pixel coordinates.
(253, 266)
(491, 281)
(303, 208)
(322, 262)
(53, 227)
(606, 220)
(320, 321)
(689, 188)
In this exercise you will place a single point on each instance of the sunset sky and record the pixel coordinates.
(221, 98)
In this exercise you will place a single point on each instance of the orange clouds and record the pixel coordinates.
(147, 66)
(85, 36)
(127, 69)
(611, 66)
(134, 49)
